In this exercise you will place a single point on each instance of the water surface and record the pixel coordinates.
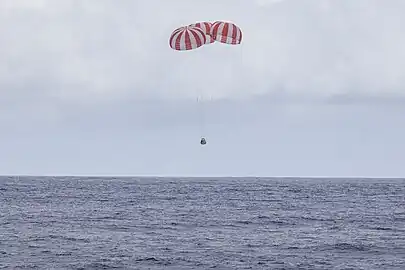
(201, 223)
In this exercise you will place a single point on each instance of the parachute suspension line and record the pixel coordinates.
(201, 115)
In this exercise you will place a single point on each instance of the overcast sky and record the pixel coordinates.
(317, 88)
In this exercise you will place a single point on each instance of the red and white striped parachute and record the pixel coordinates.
(226, 32)
(206, 27)
(197, 34)
(187, 38)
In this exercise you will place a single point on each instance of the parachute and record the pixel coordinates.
(187, 38)
(196, 35)
(226, 32)
(206, 27)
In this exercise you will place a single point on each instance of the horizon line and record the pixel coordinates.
(203, 176)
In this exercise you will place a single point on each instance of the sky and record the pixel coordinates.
(316, 88)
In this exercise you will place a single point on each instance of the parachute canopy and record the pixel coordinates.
(206, 27)
(226, 32)
(198, 34)
(187, 38)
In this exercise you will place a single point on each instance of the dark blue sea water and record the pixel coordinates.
(206, 223)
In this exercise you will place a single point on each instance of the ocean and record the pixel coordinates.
(201, 223)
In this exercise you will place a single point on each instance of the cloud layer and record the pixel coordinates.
(317, 87)
(107, 50)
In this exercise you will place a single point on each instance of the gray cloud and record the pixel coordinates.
(315, 88)
(106, 49)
